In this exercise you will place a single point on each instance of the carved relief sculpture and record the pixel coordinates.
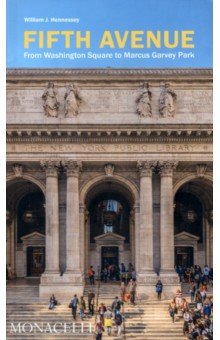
(166, 101)
(72, 101)
(144, 102)
(109, 169)
(51, 104)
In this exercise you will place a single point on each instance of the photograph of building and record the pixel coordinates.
(108, 166)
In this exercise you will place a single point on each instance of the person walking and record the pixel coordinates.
(74, 304)
(118, 322)
(116, 305)
(178, 298)
(172, 309)
(82, 307)
(99, 329)
(101, 310)
(108, 320)
(159, 289)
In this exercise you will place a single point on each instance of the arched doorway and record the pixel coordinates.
(193, 230)
(109, 229)
(25, 204)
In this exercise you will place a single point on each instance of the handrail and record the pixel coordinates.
(96, 307)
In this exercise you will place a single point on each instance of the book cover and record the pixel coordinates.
(109, 218)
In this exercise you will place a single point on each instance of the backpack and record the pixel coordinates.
(118, 319)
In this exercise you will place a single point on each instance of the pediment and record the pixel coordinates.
(35, 236)
(184, 236)
(109, 237)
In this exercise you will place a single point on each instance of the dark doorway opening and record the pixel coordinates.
(35, 261)
(184, 256)
(109, 256)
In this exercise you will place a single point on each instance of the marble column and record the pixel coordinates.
(132, 237)
(52, 217)
(166, 216)
(146, 218)
(136, 210)
(73, 241)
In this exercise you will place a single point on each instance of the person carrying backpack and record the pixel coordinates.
(118, 322)
(159, 289)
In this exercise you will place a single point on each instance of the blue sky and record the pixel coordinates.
(100, 15)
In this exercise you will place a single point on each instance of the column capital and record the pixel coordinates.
(146, 167)
(51, 167)
(73, 168)
(136, 208)
(166, 167)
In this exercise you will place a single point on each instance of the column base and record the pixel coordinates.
(146, 283)
(63, 287)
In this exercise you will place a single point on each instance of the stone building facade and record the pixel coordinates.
(108, 165)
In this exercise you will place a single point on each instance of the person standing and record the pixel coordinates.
(108, 320)
(91, 297)
(123, 291)
(192, 291)
(74, 303)
(91, 274)
(159, 289)
(132, 289)
(82, 307)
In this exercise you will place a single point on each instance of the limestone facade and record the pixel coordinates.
(108, 147)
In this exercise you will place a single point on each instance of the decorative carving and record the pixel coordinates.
(51, 104)
(73, 168)
(166, 168)
(72, 101)
(144, 102)
(50, 166)
(166, 101)
(109, 169)
(146, 167)
(200, 170)
(18, 170)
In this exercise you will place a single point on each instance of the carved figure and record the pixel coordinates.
(166, 101)
(51, 104)
(72, 101)
(144, 102)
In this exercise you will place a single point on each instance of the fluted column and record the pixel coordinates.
(166, 216)
(146, 217)
(52, 217)
(136, 210)
(73, 244)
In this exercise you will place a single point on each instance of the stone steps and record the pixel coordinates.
(145, 320)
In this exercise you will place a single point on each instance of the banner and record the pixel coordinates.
(109, 33)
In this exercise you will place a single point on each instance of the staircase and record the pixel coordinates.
(147, 320)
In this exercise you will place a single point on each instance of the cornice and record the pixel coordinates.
(110, 134)
(38, 74)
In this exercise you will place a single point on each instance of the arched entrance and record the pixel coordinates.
(109, 229)
(25, 218)
(193, 223)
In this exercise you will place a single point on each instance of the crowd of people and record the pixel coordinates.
(111, 272)
(196, 274)
(197, 313)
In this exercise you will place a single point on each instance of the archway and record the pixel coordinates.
(193, 232)
(25, 216)
(109, 224)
